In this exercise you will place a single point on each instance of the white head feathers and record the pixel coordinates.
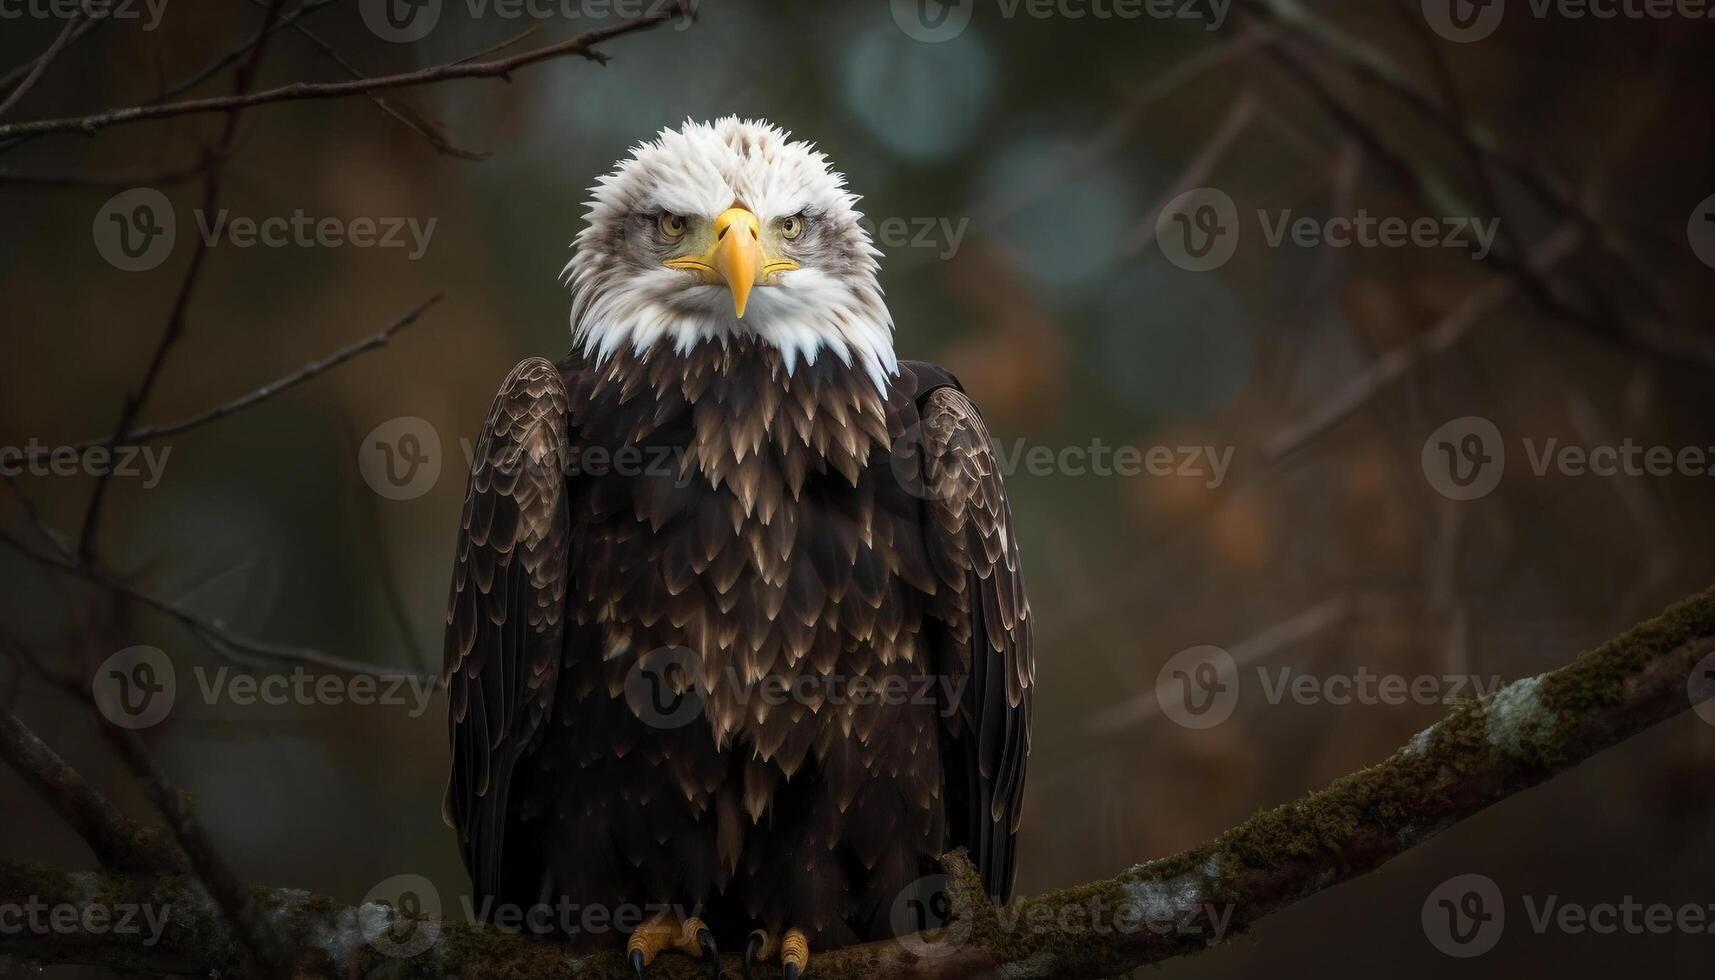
(623, 294)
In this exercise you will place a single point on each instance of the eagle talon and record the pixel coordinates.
(794, 954)
(759, 947)
(712, 953)
(660, 934)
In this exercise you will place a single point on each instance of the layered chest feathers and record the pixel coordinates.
(753, 516)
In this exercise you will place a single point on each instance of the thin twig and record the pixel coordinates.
(270, 956)
(1397, 363)
(1372, 67)
(46, 59)
(231, 57)
(150, 433)
(17, 72)
(175, 328)
(233, 646)
(400, 112)
(583, 45)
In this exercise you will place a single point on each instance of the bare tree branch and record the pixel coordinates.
(230, 58)
(1480, 754)
(583, 45)
(47, 58)
(16, 74)
(175, 328)
(118, 843)
(401, 113)
(238, 904)
(1399, 362)
(232, 646)
(149, 433)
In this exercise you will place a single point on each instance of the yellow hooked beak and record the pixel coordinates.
(735, 257)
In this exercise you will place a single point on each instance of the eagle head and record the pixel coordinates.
(712, 231)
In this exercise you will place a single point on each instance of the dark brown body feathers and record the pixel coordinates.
(769, 545)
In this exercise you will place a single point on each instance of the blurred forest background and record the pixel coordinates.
(1040, 150)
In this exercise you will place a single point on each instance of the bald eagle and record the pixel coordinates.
(737, 633)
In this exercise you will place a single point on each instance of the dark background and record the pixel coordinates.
(1058, 140)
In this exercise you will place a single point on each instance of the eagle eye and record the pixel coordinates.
(792, 227)
(672, 225)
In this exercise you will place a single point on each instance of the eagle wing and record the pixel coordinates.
(979, 635)
(505, 615)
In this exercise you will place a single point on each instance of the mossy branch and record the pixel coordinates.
(1478, 755)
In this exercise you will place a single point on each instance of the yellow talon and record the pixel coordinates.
(794, 954)
(660, 933)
